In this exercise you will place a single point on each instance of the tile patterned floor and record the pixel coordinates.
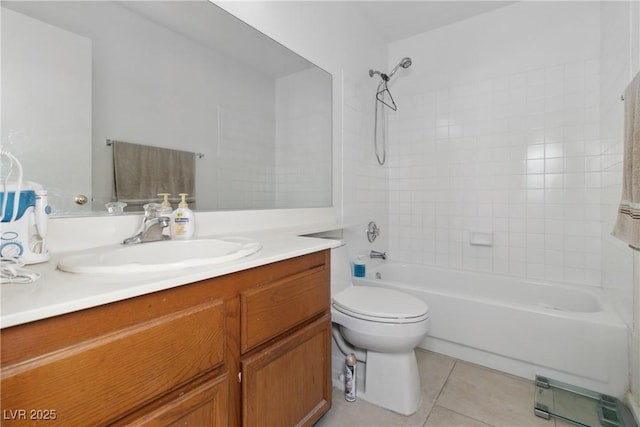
(454, 393)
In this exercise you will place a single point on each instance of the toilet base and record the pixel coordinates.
(392, 381)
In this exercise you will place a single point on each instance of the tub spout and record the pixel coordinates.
(376, 254)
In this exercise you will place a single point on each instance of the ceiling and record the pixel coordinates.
(397, 20)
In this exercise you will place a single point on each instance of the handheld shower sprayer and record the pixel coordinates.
(384, 96)
(405, 63)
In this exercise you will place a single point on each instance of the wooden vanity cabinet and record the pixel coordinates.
(231, 350)
(276, 362)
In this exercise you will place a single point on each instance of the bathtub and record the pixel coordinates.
(525, 328)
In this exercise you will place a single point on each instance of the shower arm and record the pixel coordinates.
(383, 76)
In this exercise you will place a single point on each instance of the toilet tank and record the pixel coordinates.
(340, 269)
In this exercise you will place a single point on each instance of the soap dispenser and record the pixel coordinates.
(182, 220)
(165, 210)
(165, 207)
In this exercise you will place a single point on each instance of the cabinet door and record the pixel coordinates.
(289, 383)
(131, 365)
(203, 404)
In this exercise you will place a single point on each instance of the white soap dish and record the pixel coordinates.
(477, 238)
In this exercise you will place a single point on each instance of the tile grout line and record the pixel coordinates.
(435, 402)
(455, 363)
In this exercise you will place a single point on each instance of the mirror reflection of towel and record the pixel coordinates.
(141, 172)
(627, 226)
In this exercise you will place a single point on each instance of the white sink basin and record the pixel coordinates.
(159, 256)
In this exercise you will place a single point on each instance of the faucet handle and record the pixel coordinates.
(151, 210)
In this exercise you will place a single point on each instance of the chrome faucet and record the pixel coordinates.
(152, 226)
(376, 254)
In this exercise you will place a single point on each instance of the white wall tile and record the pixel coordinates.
(514, 152)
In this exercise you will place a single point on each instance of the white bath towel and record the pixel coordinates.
(627, 226)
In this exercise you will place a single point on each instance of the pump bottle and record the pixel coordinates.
(165, 206)
(182, 220)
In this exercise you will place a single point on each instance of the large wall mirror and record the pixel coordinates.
(179, 75)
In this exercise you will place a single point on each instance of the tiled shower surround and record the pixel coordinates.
(503, 140)
(517, 156)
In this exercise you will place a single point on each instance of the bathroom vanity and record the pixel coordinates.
(251, 347)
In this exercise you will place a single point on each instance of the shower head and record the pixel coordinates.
(405, 63)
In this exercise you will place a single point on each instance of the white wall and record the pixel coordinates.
(497, 131)
(616, 71)
(620, 61)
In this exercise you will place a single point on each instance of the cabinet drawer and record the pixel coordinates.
(89, 382)
(270, 310)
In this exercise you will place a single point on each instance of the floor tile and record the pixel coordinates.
(454, 393)
(562, 423)
(443, 417)
(434, 371)
(489, 396)
(363, 414)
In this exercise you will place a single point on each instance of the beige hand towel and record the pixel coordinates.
(141, 172)
(627, 226)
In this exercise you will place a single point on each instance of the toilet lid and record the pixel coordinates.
(385, 305)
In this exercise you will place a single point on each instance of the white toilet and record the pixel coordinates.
(383, 327)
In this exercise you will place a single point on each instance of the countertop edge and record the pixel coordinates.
(57, 293)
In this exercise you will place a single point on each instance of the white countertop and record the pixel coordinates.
(58, 292)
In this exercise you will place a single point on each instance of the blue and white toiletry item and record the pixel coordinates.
(360, 267)
(24, 216)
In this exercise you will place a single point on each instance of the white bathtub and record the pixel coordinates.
(521, 327)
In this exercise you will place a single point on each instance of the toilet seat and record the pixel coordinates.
(380, 305)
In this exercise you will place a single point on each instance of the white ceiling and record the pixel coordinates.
(393, 20)
(397, 20)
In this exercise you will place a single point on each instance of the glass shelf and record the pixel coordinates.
(579, 406)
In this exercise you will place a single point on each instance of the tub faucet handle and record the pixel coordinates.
(372, 231)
